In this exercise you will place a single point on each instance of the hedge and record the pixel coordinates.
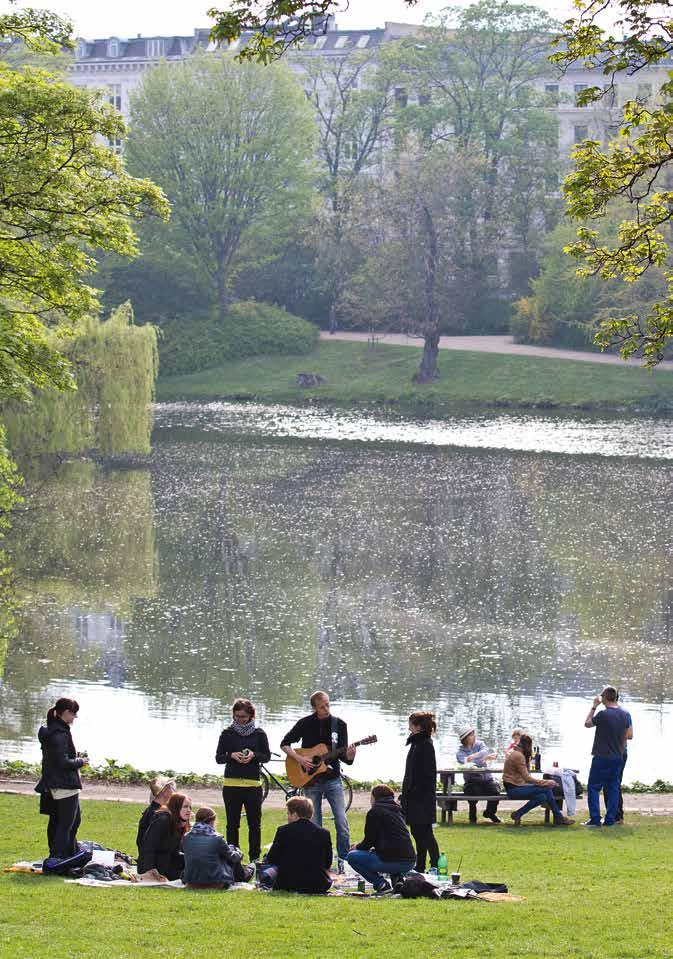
(202, 340)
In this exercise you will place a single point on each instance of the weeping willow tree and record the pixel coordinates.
(115, 366)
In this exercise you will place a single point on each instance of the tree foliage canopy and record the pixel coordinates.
(635, 168)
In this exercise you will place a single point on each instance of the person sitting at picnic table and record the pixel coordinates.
(519, 784)
(387, 848)
(160, 846)
(482, 783)
(517, 733)
(210, 862)
(161, 790)
(301, 853)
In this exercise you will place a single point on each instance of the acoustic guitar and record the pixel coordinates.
(320, 755)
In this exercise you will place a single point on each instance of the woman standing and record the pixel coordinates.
(160, 847)
(60, 782)
(419, 788)
(242, 747)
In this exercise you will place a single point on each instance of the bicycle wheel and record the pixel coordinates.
(348, 792)
(265, 784)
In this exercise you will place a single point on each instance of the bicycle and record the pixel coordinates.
(267, 777)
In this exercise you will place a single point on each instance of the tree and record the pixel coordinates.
(634, 168)
(232, 145)
(64, 195)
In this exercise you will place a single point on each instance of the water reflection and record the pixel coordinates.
(495, 587)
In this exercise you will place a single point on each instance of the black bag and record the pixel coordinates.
(479, 886)
(62, 867)
(417, 887)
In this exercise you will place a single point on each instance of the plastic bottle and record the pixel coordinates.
(443, 867)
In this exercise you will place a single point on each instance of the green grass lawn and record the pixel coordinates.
(587, 894)
(356, 375)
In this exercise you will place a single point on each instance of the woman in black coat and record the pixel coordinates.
(60, 784)
(242, 747)
(419, 788)
(160, 847)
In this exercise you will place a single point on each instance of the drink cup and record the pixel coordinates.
(455, 878)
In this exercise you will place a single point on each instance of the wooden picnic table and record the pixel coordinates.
(447, 777)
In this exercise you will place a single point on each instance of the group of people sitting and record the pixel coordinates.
(300, 856)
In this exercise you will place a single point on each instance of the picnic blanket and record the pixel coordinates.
(151, 884)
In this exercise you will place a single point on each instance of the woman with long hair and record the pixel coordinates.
(419, 788)
(519, 784)
(160, 847)
(242, 747)
(60, 783)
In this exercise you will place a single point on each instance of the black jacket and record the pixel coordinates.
(60, 765)
(145, 820)
(419, 787)
(311, 731)
(209, 859)
(232, 742)
(160, 848)
(302, 852)
(386, 833)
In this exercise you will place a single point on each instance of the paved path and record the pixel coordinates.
(494, 344)
(648, 804)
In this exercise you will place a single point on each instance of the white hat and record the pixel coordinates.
(464, 731)
(159, 783)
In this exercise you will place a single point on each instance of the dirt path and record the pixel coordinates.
(648, 804)
(493, 344)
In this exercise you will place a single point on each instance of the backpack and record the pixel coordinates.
(62, 867)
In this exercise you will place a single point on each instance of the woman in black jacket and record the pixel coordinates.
(242, 747)
(419, 788)
(60, 783)
(160, 847)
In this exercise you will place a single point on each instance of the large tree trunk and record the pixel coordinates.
(428, 370)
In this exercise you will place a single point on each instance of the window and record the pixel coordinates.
(401, 96)
(580, 132)
(644, 91)
(578, 89)
(80, 51)
(423, 99)
(363, 41)
(320, 43)
(551, 90)
(113, 47)
(341, 42)
(155, 47)
(115, 144)
(115, 96)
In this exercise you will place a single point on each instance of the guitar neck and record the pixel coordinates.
(337, 753)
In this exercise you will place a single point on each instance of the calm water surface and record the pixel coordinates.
(496, 569)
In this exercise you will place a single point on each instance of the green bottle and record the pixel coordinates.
(443, 867)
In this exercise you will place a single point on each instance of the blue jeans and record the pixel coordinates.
(604, 774)
(333, 791)
(371, 866)
(536, 796)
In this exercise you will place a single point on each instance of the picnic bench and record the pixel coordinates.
(448, 798)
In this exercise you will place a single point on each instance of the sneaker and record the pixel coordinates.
(564, 821)
(384, 890)
(515, 819)
(591, 825)
(493, 818)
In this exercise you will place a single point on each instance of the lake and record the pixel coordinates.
(497, 569)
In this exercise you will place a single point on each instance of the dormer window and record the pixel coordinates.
(363, 41)
(341, 42)
(113, 47)
(155, 47)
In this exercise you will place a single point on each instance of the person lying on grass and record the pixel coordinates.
(519, 784)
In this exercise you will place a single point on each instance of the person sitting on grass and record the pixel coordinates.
(387, 848)
(160, 848)
(482, 783)
(210, 862)
(161, 790)
(519, 784)
(301, 853)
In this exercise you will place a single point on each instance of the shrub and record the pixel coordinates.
(201, 340)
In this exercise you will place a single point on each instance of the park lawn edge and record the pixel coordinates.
(359, 377)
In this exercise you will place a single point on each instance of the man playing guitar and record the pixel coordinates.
(321, 727)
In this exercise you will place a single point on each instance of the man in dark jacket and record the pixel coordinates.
(210, 861)
(161, 789)
(387, 848)
(301, 853)
(322, 727)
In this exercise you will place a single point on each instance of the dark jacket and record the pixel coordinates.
(302, 852)
(209, 859)
(386, 833)
(311, 731)
(145, 820)
(232, 742)
(60, 765)
(419, 787)
(160, 848)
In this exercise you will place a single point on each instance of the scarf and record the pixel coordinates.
(244, 729)
(202, 829)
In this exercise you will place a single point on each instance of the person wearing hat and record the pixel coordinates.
(419, 787)
(478, 783)
(161, 790)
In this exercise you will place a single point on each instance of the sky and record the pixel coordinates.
(127, 18)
